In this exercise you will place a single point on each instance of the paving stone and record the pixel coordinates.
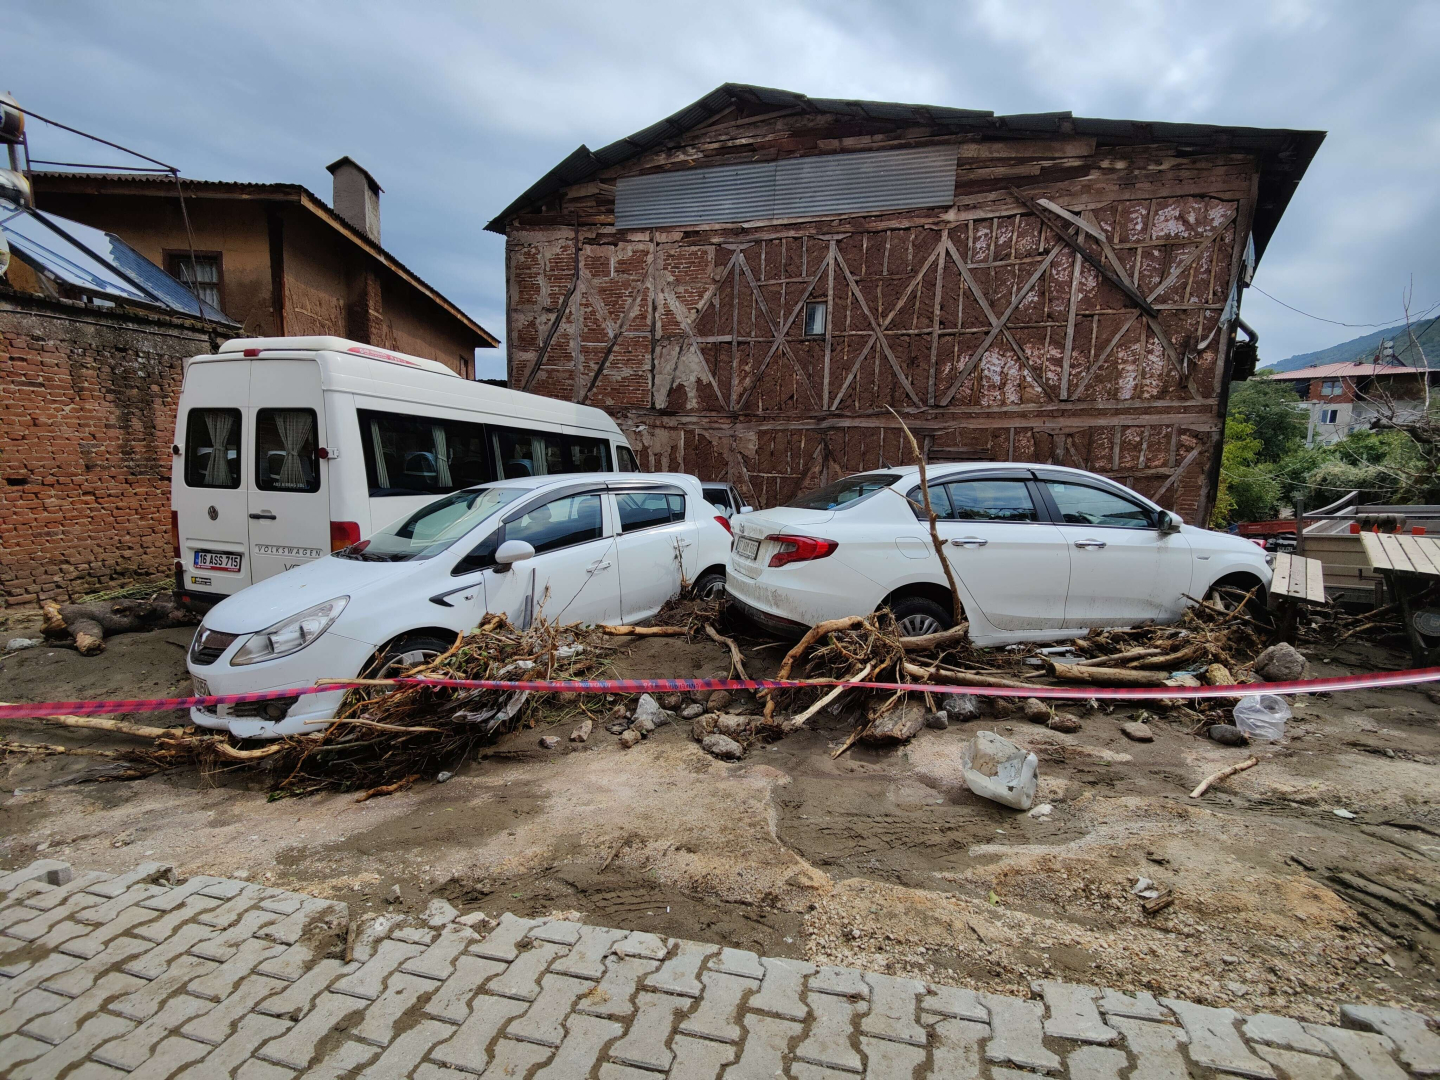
(714, 1017)
(1214, 1041)
(1364, 1054)
(1283, 1031)
(94, 942)
(283, 903)
(678, 974)
(611, 1071)
(147, 873)
(892, 1009)
(344, 1061)
(156, 961)
(222, 944)
(522, 978)
(614, 995)
(427, 1070)
(262, 1070)
(296, 1048)
(53, 898)
(170, 899)
(15, 1050)
(699, 1059)
(82, 976)
(96, 1031)
(370, 979)
(289, 962)
(1142, 1006)
(312, 915)
(1014, 1074)
(1298, 1066)
(40, 972)
(103, 913)
(401, 993)
(438, 961)
(63, 931)
(146, 1001)
(222, 980)
(55, 1027)
(803, 1070)
(299, 997)
(451, 1002)
(1417, 1046)
(890, 1059)
(780, 990)
(134, 1049)
(955, 1002)
(558, 931)
(586, 960)
(502, 941)
(642, 945)
(404, 1053)
(957, 1049)
(542, 1021)
(1096, 1063)
(22, 892)
(181, 917)
(40, 923)
(170, 1057)
(414, 935)
(217, 1025)
(49, 871)
(645, 1045)
(225, 889)
(31, 1004)
(468, 1048)
(740, 962)
(252, 1033)
(766, 1042)
(842, 981)
(1073, 1014)
(517, 1059)
(93, 1070)
(231, 911)
(828, 1041)
(1156, 1048)
(585, 1038)
(1017, 1031)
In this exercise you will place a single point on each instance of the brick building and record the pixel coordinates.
(1339, 399)
(749, 285)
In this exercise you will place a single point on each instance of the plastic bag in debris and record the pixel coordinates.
(1262, 716)
(998, 770)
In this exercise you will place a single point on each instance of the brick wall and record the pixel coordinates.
(87, 415)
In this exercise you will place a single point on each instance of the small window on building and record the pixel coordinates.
(1330, 388)
(212, 448)
(201, 274)
(1329, 416)
(815, 318)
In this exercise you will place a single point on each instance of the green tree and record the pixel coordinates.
(1248, 490)
(1269, 408)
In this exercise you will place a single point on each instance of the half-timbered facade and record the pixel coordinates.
(752, 285)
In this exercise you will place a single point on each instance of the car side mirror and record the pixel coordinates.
(747, 509)
(1169, 523)
(510, 552)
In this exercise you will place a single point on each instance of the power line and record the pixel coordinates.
(1336, 322)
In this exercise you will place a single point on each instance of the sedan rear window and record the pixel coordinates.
(844, 493)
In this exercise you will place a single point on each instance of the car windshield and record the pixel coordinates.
(844, 493)
(433, 528)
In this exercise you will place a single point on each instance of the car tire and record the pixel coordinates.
(710, 585)
(915, 616)
(1229, 595)
(405, 652)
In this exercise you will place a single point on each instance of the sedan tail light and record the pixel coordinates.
(800, 548)
(343, 534)
(723, 520)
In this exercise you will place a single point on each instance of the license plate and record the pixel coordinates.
(217, 560)
(747, 547)
(202, 688)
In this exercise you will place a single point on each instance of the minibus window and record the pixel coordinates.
(212, 448)
(286, 455)
(545, 453)
(422, 455)
(626, 458)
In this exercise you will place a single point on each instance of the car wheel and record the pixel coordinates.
(710, 585)
(916, 616)
(405, 653)
(1230, 597)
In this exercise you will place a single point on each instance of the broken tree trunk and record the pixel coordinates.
(88, 624)
(814, 634)
(1098, 676)
(960, 678)
(922, 642)
(102, 723)
(645, 631)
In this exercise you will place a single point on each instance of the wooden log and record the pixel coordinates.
(103, 723)
(729, 643)
(224, 749)
(1098, 676)
(88, 624)
(1119, 658)
(799, 721)
(644, 631)
(960, 678)
(1223, 774)
(814, 634)
(924, 642)
(1170, 661)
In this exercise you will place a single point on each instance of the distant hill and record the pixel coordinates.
(1364, 348)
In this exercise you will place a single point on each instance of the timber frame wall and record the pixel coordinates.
(981, 324)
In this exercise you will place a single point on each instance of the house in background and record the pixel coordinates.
(1343, 398)
(276, 258)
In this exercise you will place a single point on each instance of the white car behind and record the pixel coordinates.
(582, 547)
(1038, 553)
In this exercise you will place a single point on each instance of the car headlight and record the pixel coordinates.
(289, 635)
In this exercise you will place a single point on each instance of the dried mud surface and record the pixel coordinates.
(882, 859)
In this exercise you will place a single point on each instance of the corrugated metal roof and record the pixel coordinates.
(1283, 154)
(1335, 371)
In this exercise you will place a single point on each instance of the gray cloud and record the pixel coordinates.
(457, 108)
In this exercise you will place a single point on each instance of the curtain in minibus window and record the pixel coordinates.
(422, 455)
(286, 454)
(544, 453)
(212, 448)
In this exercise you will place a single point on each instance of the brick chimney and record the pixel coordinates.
(357, 196)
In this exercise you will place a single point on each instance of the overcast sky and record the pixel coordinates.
(457, 108)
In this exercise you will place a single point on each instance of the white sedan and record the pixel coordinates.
(585, 547)
(1039, 552)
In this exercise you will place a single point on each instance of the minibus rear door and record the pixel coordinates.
(289, 501)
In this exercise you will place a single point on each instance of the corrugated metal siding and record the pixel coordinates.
(795, 187)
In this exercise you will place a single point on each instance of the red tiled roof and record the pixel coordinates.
(1335, 371)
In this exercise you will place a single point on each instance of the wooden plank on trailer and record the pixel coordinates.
(1280, 579)
(1314, 581)
(1297, 576)
(1396, 554)
(1375, 551)
(1423, 553)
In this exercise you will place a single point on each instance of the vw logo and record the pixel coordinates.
(213, 513)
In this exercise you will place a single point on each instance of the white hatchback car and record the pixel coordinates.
(583, 547)
(1039, 552)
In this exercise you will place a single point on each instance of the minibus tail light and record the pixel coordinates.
(175, 532)
(343, 534)
(723, 520)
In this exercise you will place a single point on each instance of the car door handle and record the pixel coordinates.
(263, 515)
(595, 568)
(969, 541)
(1090, 543)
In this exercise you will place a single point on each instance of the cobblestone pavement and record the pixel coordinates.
(107, 975)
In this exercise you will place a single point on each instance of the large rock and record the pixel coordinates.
(1036, 711)
(722, 747)
(629, 738)
(961, 707)
(731, 725)
(582, 732)
(691, 711)
(717, 701)
(649, 711)
(1280, 663)
(1137, 732)
(998, 770)
(898, 725)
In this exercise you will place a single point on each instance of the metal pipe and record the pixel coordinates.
(1251, 334)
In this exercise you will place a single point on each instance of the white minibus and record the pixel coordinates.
(289, 448)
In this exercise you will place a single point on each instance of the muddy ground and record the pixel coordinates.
(883, 859)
